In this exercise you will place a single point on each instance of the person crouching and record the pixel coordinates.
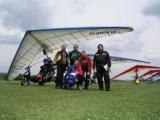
(73, 76)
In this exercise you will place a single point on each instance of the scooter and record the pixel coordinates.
(46, 74)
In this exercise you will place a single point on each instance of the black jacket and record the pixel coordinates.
(101, 58)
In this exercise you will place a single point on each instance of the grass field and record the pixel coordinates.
(126, 101)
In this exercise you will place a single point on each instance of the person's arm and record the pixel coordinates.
(109, 61)
(94, 62)
(70, 53)
(90, 65)
(68, 59)
(79, 54)
(56, 57)
(80, 59)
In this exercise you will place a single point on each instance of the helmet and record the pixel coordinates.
(39, 76)
(46, 61)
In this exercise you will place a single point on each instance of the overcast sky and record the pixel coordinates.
(17, 16)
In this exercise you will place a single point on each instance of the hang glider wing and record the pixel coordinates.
(116, 60)
(149, 72)
(155, 76)
(36, 41)
(132, 71)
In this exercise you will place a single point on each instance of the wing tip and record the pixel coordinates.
(131, 29)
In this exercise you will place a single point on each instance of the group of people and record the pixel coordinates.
(82, 65)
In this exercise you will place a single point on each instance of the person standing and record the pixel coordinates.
(62, 60)
(86, 65)
(74, 54)
(102, 65)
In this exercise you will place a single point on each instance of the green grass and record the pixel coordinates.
(126, 101)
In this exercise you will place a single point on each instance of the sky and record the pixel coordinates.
(18, 16)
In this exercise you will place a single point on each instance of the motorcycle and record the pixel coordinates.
(46, 74)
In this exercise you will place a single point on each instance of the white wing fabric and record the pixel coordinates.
(35, 41)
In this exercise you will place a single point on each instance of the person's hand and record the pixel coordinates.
(88, 73)
(109, 69)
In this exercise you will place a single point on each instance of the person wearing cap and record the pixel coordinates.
(86, 65)
(102, 65)
(74, 54)
(62, 60)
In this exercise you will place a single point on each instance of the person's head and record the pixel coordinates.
(64, 46)
(75, 46)
(100, 47)
(83, 53)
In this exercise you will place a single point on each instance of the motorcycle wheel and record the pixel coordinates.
(24, 82)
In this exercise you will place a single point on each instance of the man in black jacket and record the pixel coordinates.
(102, 64)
